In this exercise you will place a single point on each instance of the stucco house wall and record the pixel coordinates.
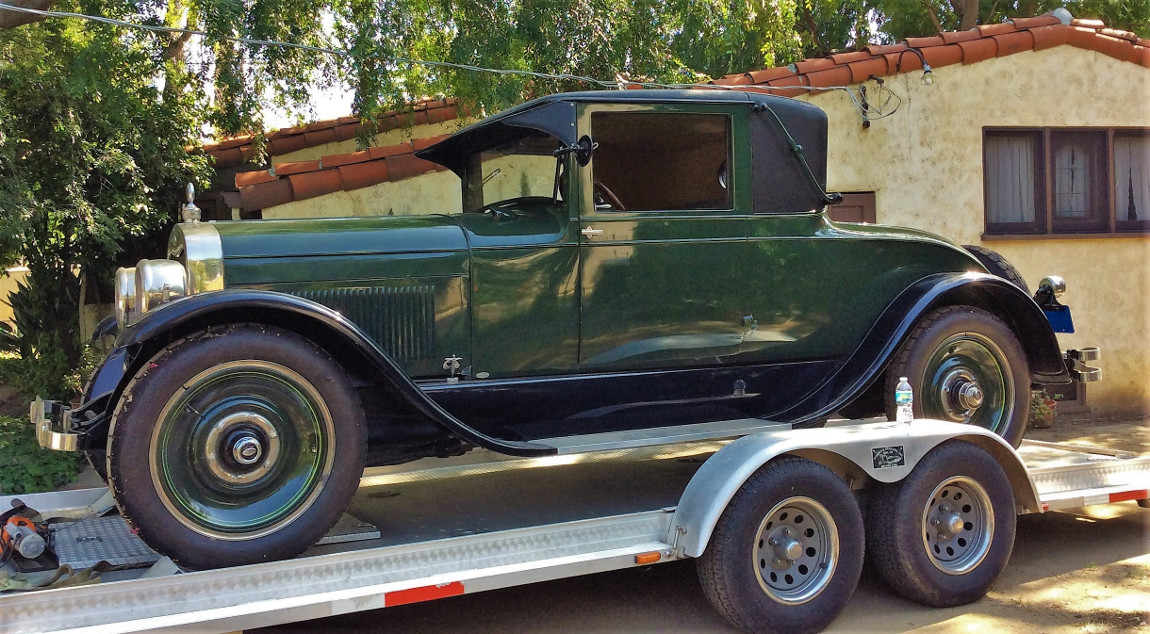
(925, 166)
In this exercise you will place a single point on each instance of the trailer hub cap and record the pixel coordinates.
(796, 550)
(958, 525)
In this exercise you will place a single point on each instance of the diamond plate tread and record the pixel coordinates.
(87, 543)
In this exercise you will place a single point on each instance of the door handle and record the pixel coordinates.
(589, 231)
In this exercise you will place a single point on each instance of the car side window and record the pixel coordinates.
(656, 161)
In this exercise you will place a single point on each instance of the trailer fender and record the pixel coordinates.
(860, 454)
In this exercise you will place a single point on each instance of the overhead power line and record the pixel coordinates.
(868, 111)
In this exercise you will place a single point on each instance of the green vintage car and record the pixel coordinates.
(629, 267)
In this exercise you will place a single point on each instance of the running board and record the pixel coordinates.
(635, 438)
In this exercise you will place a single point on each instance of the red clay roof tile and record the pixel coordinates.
(954, 37)
(988, 30)
(1030, 23)
(402, 166)
(227, 158)
(335, 160)
(295, 167)
(837, 76)
(768, 74)
(286, 144)
(312, 184)
(978, 50)
(846, 58)
(923, 42)
(885, 49)
(319, 137)
(939, 56)
(1122, 35)
(812, 65)
(1011, 43)
(390, 150)
(346, 132)
(1112, 46)
(265, 195)
(1144, 56)
(1088, 23)
(255, 177)
(291, 139)
(1050, 36)
(363, 174)
(863, 70)
(904, 62)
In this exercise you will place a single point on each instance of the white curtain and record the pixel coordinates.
(1071, 182)
(1010, 171)
(1132, 177)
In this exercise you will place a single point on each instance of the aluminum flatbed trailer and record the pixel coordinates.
(444, 528)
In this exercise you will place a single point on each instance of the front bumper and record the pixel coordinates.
(53, 422)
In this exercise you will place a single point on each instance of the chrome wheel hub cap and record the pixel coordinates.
(961, 395)
(241, 448)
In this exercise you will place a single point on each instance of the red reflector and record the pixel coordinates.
(426, 593)
(1129, 495)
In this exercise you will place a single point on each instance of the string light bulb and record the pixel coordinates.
(927, 75)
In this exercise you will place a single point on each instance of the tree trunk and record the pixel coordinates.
(12, 19)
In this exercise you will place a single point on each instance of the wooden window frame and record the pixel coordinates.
(1049, 227)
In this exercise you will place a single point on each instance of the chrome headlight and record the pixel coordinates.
(158, 281)
(125, 295)
(197, 246)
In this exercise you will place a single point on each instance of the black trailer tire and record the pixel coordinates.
(966, 366)
(942, 536)
(787, 552)
(236, 445)
(997, 265)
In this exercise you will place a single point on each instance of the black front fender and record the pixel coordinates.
(157, 328)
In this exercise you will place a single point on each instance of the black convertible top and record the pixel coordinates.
(782, 183)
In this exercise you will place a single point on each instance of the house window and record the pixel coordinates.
(1066, 181)
(1132, 181)
(855, 207)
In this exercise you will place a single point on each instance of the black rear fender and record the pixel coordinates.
(867, 363)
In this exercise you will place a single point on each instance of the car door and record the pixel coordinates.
(661, 227)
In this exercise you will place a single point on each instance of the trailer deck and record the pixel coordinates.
(474, 523)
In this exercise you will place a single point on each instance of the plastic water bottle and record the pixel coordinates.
(904, 401)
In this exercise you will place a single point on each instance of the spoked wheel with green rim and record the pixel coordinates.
(236, 447)
(965, 366)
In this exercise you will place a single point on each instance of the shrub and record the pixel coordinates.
(27, 468)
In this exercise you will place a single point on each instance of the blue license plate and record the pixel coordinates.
(1060, 319)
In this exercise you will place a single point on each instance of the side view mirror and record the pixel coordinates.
(581, 148)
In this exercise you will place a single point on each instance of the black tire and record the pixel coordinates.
(98, 459)
(997, 265)
(910, 551)
(815, 508)
(236, 445)
(957, 347)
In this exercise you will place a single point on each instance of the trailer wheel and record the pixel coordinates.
(236, 446)
(943, 535)
(965, 366)
(787, 552)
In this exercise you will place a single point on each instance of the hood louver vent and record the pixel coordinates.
(401, 319)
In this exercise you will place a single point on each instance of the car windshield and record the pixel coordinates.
(524, 167)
